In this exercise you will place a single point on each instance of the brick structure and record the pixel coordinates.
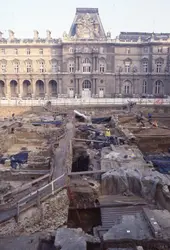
(85, 63)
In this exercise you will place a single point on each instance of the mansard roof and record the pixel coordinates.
(144, 36)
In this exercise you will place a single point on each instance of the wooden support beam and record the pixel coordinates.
(87, 172)
(86, 140)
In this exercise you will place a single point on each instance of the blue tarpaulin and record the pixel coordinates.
(56, 123)
(160, 162)
(101, 120)
(16, 159)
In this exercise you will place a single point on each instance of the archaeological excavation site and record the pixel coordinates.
(85, 178)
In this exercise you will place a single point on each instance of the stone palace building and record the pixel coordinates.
(85, 63)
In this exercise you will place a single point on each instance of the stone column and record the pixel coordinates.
(93, 64)
(78, 63)
(7, 89)
(59, 87)
(92, 90)
(96, 63)
(46, 88)
(78, 87)
(75, 86)
(20, 88)
(33, 86)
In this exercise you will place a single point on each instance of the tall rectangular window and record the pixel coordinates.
(127, 67)
(42, 70)
(54, 67)
(71, 67)
(28, 51)
(159, 49)
(144, 87)
(41, 51)
(145, 67)
(158, 67)
(29, 67)
(16, 51)
(3, 51)
(16, 68)
(102, 68)
(127, 50)
(145, 49)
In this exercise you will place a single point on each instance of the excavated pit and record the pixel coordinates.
(80, 160)
(85, 219)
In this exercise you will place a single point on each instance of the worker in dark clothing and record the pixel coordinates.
(139, 119)
(150, 118)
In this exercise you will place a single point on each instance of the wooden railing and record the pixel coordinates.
(34, 198)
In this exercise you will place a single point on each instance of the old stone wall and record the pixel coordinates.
(8, 111)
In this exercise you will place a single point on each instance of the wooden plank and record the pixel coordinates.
(86, 140)
(26, 186)
(87, 172)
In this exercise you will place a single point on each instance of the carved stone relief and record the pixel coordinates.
(87, 28)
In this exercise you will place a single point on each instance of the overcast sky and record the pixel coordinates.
(24, 16)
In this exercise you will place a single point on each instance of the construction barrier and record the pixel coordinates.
(87, 101)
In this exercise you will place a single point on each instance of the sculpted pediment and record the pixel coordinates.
(3, 61)
(87, 28)
(128, 60)
(159, 59)
(15, 61)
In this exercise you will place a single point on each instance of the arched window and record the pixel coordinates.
(144, 87)
(86, 65)
(158, 87)
(86, 84)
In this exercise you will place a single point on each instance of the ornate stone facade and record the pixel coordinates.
(85, 63)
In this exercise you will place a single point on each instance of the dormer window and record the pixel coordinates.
(41, 51)
(127, 51)
(159, 49)
(145, 49)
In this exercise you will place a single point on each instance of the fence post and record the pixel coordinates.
(52, 187)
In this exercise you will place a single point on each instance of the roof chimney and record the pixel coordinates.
(48, 32)
(11, 35)
(36, 34)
